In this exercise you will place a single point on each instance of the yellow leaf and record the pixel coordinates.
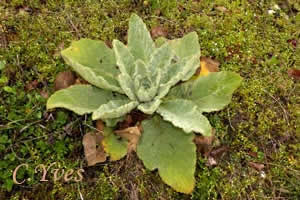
(207, 65)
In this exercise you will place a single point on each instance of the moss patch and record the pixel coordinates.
(257, 40)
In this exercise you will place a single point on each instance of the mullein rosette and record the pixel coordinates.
(155, 78)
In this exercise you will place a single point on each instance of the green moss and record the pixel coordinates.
(261, 119)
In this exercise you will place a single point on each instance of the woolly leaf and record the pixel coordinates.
(171, 151)
(114, 121)
(161, 58)
(149, 107)
(114, 109)
(95, 62)
(177, 72)
(124, 58)
(127, 86)
(186, 115)
(211, 93)
(186, 46)
(140, 42)
(81, 99)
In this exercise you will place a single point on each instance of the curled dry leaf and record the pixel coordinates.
(93, 150)
(257, 166)
(294, 73)
(252, 154)
(218, 152)
(64, 80)
(132, 134)
(207, 65)
(31, 85)
(158, 31)
(204, 144)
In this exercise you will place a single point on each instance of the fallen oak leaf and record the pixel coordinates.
(132, 134)
(92, 153)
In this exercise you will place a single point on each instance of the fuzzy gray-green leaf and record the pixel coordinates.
(186, 115)
(127, 86)
(125, 60)
(211, 93)
(140, 42)
(160, 58)
(186, 46)
(149, 107)
(168, 149)
(177, 72)
(81, 99)
(95, 62)
(114, 109)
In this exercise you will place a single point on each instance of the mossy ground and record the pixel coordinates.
(260, 125)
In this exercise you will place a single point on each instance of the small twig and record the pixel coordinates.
(19, 158)
(162, 18)
(230, 120)
(93, 128)
(288, 168)
(28, 125)
(81, 197)
(74, 27)
(281, 106)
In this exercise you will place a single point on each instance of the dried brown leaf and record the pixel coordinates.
(64, 80)
(126, 123)
(257, 166)
(252, 154)
(204, 144)
(93, 154)
(293, 42)
(208, 65)
(294, 73)
(132, 134)
(100, 125)
(31, 85)
(219, 151)
(158, 31)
